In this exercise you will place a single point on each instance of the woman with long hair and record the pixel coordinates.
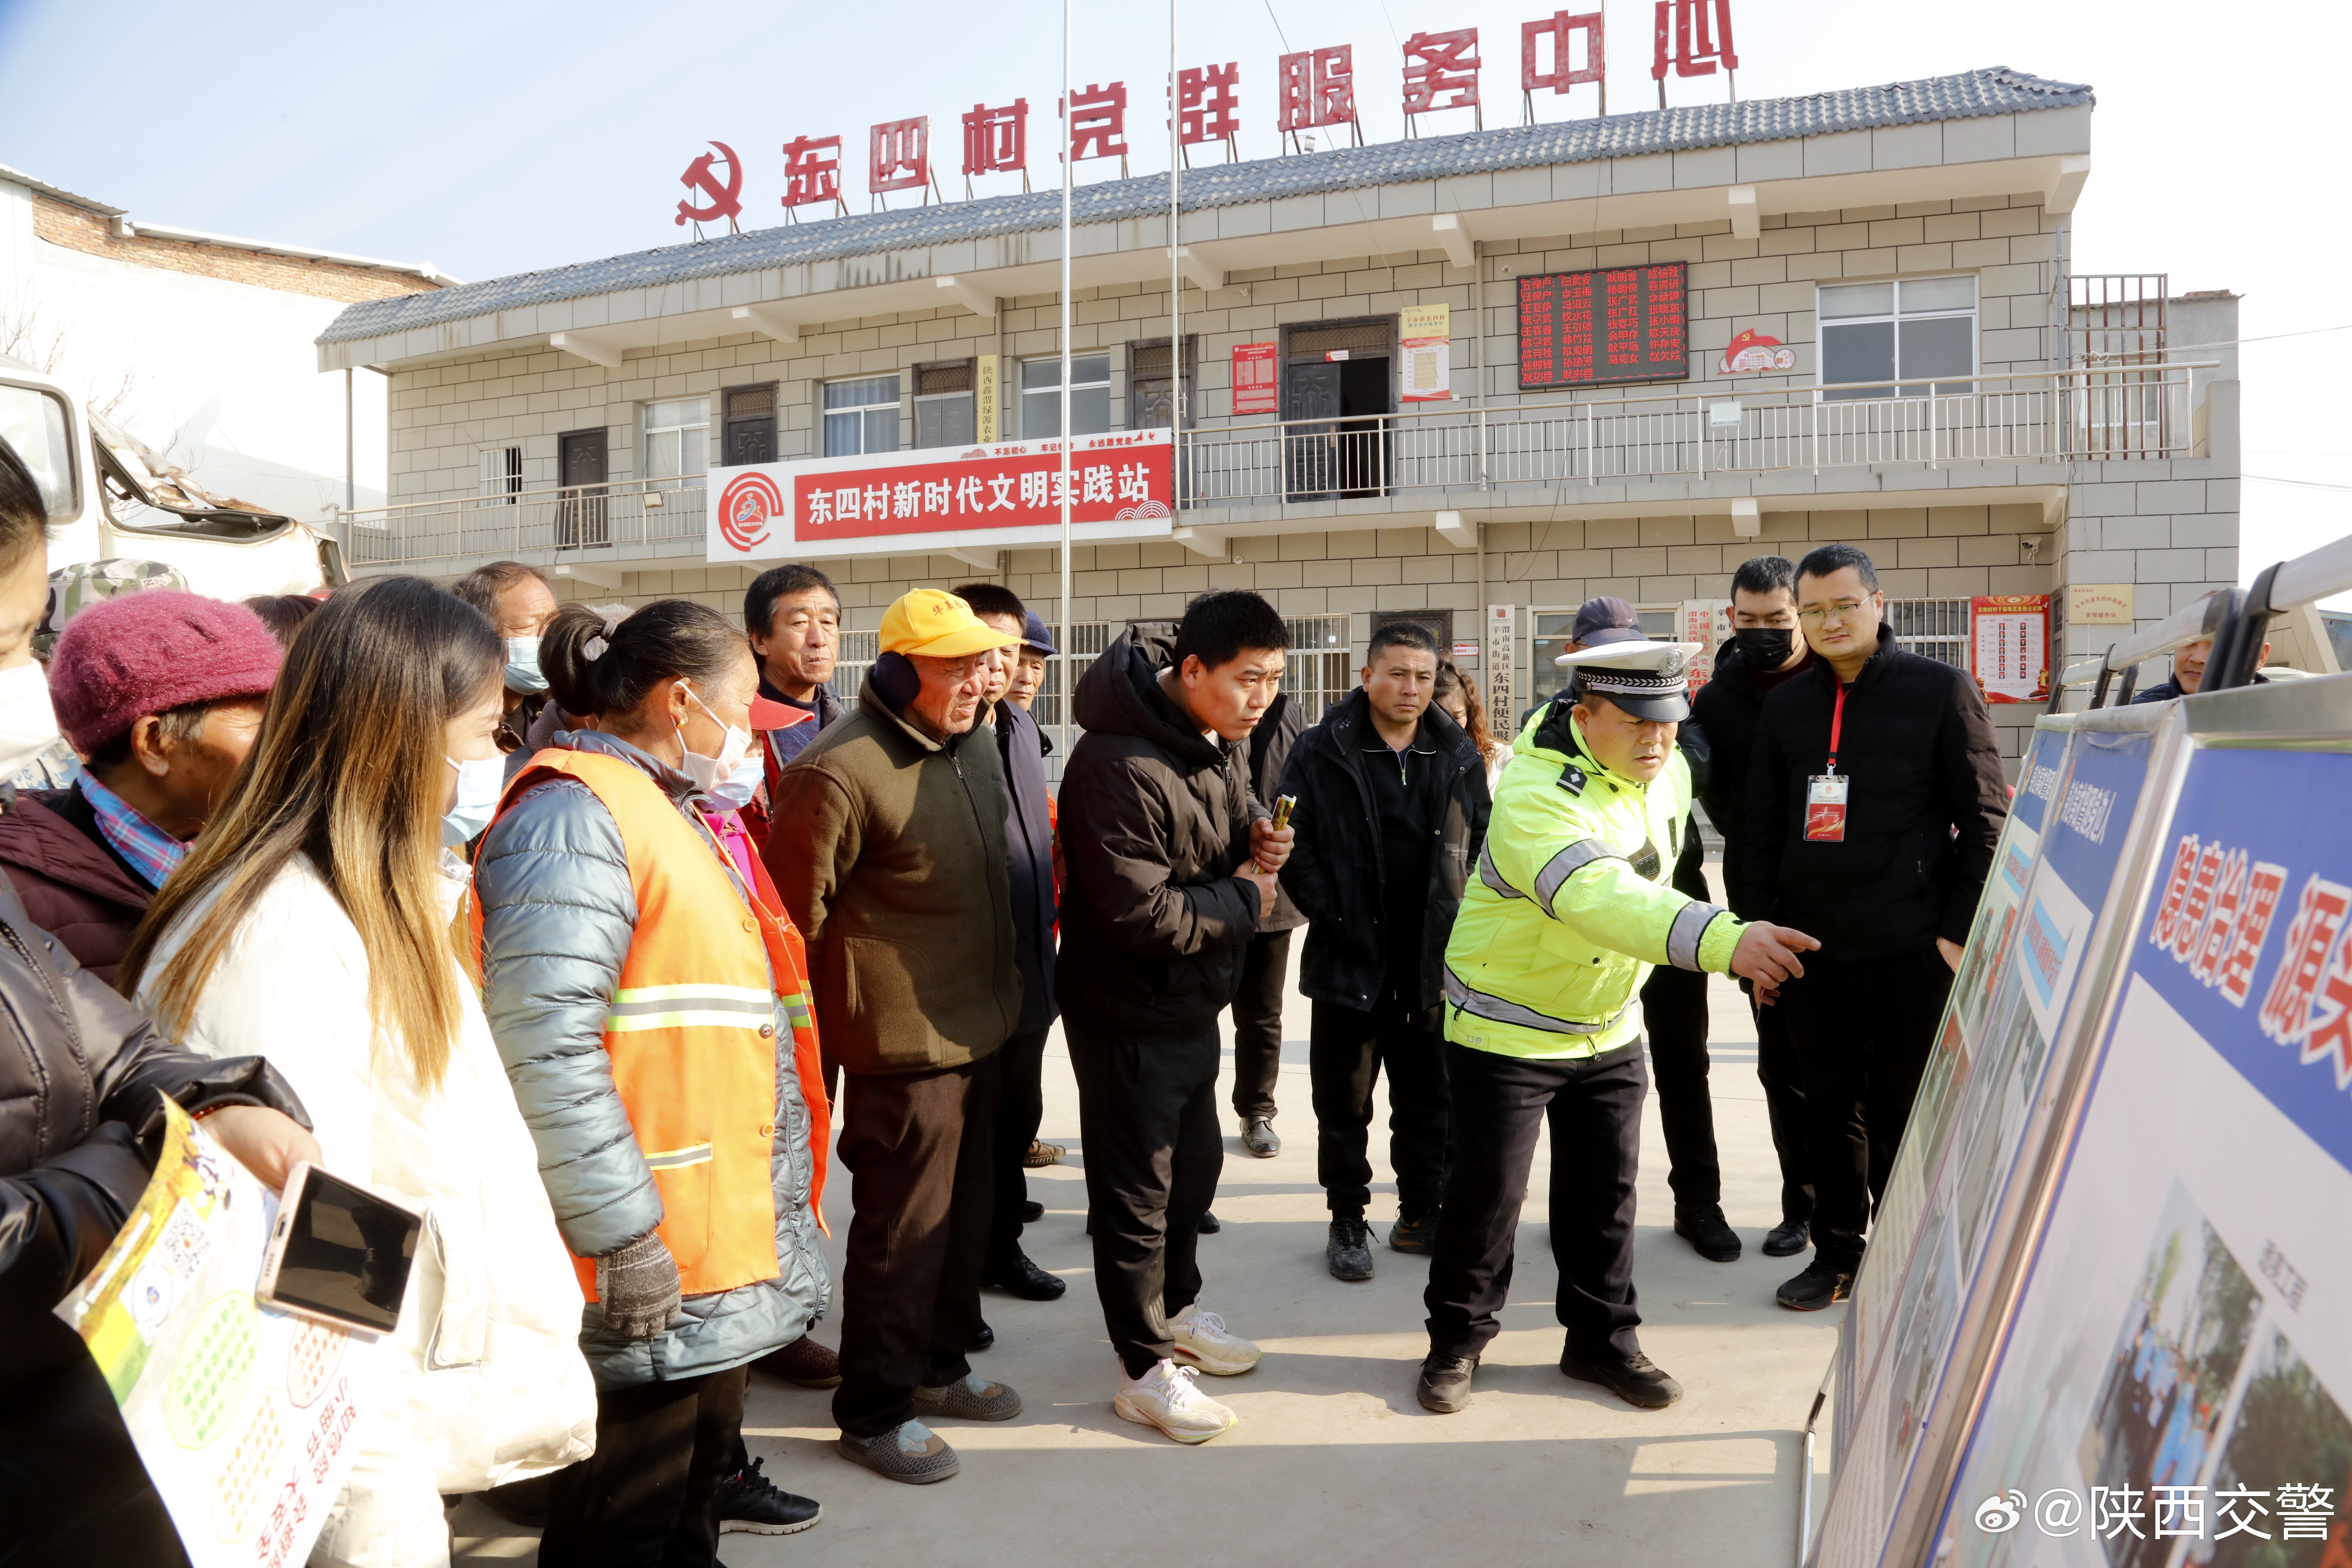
(651, 1004)
(311, 923)
(1458, 695)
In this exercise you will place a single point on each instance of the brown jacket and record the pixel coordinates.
(888, 850)
(74, 884)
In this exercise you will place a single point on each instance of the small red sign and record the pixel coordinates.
(1257, 378)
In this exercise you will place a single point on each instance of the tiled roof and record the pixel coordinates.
(1997, 90)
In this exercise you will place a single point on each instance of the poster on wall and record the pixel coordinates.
(1706, 622)
(1425, 334)
(2175, 1383)
(1502, 663)
(2008, 646)
(1256, 378)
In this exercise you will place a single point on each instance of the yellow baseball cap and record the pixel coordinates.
(931, 624)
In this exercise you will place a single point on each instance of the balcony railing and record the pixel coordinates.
(2078, 415)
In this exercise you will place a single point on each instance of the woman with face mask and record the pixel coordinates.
(649, 999)
(311, 923)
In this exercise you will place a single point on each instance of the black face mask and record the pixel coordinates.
(1766, 648)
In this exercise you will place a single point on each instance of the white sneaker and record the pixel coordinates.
(1201, 1340)
(1164, 1397)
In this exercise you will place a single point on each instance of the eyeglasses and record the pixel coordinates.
(1843, 609)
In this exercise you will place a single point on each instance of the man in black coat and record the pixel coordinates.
(1765, 651)
(1393, 804)
(1875, 799)
(1266, 972)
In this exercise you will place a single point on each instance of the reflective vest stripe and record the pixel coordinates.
(1568, 863)
(672, 1159)
(1492, 876)
(1495, 1010)
(1687, 932)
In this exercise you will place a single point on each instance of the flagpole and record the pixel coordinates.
(1069, 655)
(1175, 281)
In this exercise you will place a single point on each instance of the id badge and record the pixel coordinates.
(1825, 808)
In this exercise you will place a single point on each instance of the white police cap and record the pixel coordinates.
(1648, 679)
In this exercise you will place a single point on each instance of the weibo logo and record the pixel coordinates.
(745, 508)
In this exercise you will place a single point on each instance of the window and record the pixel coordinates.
(1888, 331)
(678, 434)
(944, 405)
(1551, 638)
(861, 417)
(501, 475)
(1041, 395)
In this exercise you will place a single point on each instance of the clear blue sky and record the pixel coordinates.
(493, 138)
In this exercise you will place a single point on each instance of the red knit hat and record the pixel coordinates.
(118, 661)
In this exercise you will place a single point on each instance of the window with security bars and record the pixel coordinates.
(501, 478)
(1311, 343)
(943, 405)
(1933, 628)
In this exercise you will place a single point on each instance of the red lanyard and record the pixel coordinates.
(1837, 725)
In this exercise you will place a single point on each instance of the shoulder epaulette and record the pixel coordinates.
(1571, 779)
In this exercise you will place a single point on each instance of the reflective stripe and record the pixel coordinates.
(1495, 1010)
(796, 1008)
(688, 1006)
(1684, 936)
(1568, 863)
(1490, 875)
(673, 1159)
(694, 1003)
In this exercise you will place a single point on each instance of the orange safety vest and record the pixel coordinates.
(690, 1030)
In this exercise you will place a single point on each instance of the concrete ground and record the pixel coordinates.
(1333, 1459)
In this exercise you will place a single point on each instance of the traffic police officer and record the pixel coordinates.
(1570, 910)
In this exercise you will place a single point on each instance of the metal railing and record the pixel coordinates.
(567, 517)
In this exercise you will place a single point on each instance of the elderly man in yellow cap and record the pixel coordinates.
(887, 845)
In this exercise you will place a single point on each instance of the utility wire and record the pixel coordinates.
(2300, 484)
(2223, 343)
(1277, 26)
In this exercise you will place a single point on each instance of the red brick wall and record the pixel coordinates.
(76, 229)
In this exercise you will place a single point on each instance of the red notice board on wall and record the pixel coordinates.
(1620, 324)
(2008, 646)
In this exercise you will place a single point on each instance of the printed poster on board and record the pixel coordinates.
(2008, 646)
(243, 1414)
(1425, 336)
(2176, 1385)
(1257, 378)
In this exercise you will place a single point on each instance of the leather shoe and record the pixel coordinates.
(1635, 1379)
(1259, 1138)
(1444, 1385)
(985, 1337)
(1210, 1225)
(1710, 1235)
(1017, 1276)
(1821, 1285)
(1414, 1233)
(1032, 1211)
(1787, 1238)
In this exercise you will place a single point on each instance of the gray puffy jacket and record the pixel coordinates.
(558, 918)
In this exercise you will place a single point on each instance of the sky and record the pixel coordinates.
(493, 140)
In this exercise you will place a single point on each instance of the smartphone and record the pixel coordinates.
(338, 1253)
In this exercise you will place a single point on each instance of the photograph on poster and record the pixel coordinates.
(2287, 1425)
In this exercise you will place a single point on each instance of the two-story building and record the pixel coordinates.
(1882, 342)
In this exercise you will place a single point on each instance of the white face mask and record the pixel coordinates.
(522, 665)
(479, 780)
(29, 725)
(721, 776)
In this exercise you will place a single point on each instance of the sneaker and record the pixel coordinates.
(1017, 1276)
(750, 1503)
(1164, 1397)
(1821, 1285)
(1444, 1385)
(1787, 1238)
(910, 1452)
(804, 1361)
(1041, 1155)
(1414, 1233)
(970, 1398)
(1348, 1250)
(1635, 1379)
(1709, 1233)
(1259, 1137)
(1201, 1340)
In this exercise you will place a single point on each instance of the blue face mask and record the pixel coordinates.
(522, 665)
(478, 782)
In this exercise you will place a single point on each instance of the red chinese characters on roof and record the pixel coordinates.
(1694, 51)
(899, 156)
(1560, 27)
(725, 200)
(811, 170)
(1315, 87)
(1441, 71)
(996, 139)
(1208, 104)
(1097, 120)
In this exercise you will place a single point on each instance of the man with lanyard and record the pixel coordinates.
(1568, 911)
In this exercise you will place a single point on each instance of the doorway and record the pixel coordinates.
(581, 518)
(1339, 396)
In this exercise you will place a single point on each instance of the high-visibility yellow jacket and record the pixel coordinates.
(1571, 906)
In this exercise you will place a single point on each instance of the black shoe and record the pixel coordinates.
(1707, 1232)
(1032, 1211)
(804, 1361)
(1348, 1250)
(1020, 1276)
(982, 1339)
(1821, 1285)
(1414, 1233)
(1787, 1238)
(748, 1501)
(1259, 1137)
(1210, 1225)
(1445, 1385)
(1636, 1379)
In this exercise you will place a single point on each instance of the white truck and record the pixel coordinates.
(111, 498)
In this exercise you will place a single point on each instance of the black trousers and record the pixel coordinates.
(1500, 1103)
(1346, 1052)
(648, 1496)
(1862, 1033)
(1673, 1016)
(917, 1147)
(1783, 1079)
(1147, 1112)
(1257, 1024)
(1020, 1108)
(73, 1491)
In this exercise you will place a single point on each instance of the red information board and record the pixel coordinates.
(1597, 329)
(1254, 371)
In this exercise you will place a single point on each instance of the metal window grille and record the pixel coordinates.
(501, 475)
(1935, 629)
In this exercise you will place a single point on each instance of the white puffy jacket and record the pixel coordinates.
(492, 1387)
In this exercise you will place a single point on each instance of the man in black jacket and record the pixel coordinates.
(1170, 867)
(1391, 805)
(2188, 671)
(1266, 972)
(1875, 799)
(1764, 652)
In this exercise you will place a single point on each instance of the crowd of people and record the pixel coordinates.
(597, 935)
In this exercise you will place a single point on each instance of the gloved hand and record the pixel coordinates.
(638, 1284)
